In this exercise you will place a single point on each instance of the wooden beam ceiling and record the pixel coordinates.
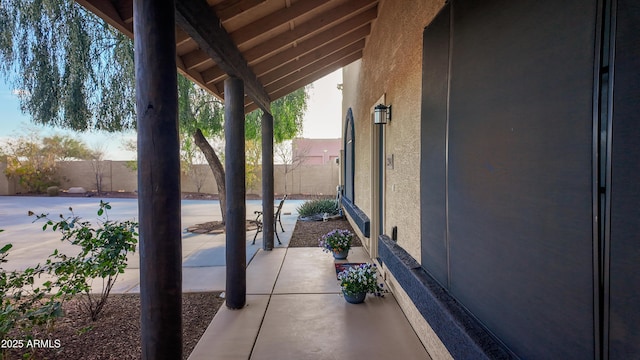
(261, 52)
(197, 19)
(231, 8)
(274, 20)
(275, 46)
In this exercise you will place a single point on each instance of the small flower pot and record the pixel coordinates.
(354, 298)
(341, 255)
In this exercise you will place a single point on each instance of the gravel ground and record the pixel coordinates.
(116, 334)
(307, 233)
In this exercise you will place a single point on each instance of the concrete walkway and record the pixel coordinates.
(294, 310)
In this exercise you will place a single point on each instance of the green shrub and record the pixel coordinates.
(24, 306)
(318, 206)
(103, 256)
(53, 191)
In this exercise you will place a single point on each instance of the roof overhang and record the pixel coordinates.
(274, 46)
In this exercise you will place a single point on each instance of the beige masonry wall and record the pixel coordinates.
(6, 186)
(116, 175)
(305, 179)
(392, 67)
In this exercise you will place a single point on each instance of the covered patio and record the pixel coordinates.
(248, 53)
(295, 310)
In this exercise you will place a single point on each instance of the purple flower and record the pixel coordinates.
(337, 240)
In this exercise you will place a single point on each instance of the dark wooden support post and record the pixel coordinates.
(236, 231)
(158, 180)
(267, 181)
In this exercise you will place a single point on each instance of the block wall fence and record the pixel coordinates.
(305, 179)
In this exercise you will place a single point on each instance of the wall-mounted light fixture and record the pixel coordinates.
(381, 114)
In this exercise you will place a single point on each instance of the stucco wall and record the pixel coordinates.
(392, 67)
(116, 175)
(351, 98)
(308, 179)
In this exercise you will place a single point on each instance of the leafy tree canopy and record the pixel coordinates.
(75, 71)
(200, 110)
(288, 112)
(32, 159)
(55, 147)
(72, 69)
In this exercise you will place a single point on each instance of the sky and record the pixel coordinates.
(321, 121)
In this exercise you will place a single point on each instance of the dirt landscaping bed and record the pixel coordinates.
(116, 334)
(307, 233)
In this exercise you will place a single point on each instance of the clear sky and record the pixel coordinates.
(322, 119)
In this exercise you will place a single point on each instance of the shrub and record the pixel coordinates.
(31, 177)
(53, 191)
(22, 305)
(103, 256)
(318, 206)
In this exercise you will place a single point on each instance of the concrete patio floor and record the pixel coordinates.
(295, 310)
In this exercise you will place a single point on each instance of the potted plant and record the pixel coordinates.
(337, 242)
(357, 281)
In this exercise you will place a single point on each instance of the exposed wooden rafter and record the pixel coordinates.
(347, 11)
(301, 79)
(305, 53)
(274, 20)
(360, 22)
(198, 20)
(275, 46)
(313, 61)
(228, 9)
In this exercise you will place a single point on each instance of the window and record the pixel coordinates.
(349, 158)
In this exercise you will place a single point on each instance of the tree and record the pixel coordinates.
(33, 159)
(130, 145)
(190, 159)
(289, 158)
(253, 157)
(73, 69)
(77, 72)
(65, 148)
(201, 116)
(98, 165)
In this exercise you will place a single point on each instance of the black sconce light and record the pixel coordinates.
(381, 114)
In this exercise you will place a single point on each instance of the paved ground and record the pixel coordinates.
(294, 310)
(203, 255)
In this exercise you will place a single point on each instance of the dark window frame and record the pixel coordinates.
(349, 140)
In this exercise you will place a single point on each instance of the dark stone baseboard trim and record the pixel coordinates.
(359, 217)
(462, 335)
